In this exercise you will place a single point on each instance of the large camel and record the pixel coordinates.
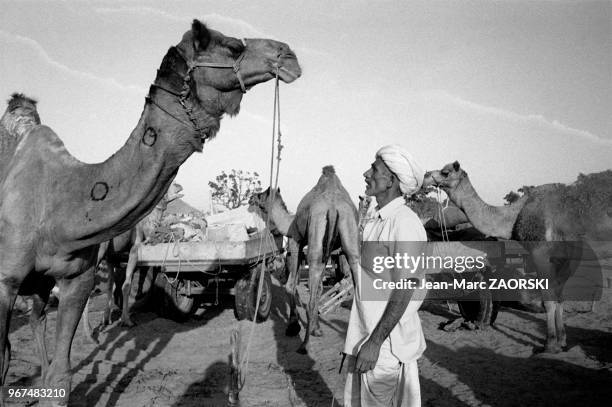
(21, 116)
(549, 221)
(56, 210)
(326, 219)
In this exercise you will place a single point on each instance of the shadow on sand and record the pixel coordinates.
(145, 341)
(500, 380)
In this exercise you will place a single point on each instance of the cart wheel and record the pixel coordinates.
(483, 313)
(245, 296)
(176, 305)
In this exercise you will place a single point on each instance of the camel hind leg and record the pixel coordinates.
(548, 269)
(294, 257)
(315, 272)
(560, 326)
(316, 266)
(349, 236)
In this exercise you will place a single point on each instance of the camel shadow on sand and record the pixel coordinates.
(308, 387)
(118, 368)
(595, 343)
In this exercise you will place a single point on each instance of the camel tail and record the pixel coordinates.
(331, 233)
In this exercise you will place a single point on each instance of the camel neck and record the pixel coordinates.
(282, 218)
(120, 191)
(496, 221)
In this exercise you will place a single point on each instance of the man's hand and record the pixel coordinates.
(367, 356)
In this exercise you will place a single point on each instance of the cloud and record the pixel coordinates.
(516, 117)
(214, 19)
(40, 52)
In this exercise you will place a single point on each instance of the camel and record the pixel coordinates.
(326, 219)
(548, 221)
(20, 116)
(55, 211)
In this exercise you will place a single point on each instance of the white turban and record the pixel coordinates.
(404, 166)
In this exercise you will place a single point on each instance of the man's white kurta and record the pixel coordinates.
(394, 222)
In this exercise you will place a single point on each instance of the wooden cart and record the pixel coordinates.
(187, 269)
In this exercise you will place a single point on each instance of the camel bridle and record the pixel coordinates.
(183, 95)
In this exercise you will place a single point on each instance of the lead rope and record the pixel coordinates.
(279, 147)
(443, 228)
(244, 364)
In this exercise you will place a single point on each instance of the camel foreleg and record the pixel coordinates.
(126, 288)
(110, 298)
(8, 294)
(38, 320)
(75, 292)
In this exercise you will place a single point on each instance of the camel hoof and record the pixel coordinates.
(92, 340)
(127, 323)
(548, 349)
(293, 329)
(317, 332)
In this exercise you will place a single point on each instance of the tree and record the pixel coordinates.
(234, 189)
(424, 206)
(513, 196)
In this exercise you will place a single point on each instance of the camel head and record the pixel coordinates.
(20, 115)
(446, 179)
(210, 72)
(266, 199)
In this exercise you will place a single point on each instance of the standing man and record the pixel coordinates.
(384, 338)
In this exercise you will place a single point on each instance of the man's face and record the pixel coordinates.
(378, 178)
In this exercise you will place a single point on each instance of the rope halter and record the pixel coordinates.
(183, 95)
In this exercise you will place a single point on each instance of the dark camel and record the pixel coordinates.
(56, 210)
(326, 219)
(550, 221)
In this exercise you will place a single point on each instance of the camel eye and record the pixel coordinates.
(236, 47)
(444, 173)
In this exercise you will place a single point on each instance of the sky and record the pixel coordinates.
(519, 92)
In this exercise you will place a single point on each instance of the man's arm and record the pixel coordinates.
(368, 354)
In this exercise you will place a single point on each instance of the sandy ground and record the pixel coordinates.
(163, 363)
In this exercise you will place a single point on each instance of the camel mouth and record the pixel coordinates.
(287, 76)
(430, 181)
(288, 68)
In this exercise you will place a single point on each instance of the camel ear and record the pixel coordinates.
(201, 35)
(456, 166)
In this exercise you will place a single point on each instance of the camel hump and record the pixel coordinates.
(329, 170)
